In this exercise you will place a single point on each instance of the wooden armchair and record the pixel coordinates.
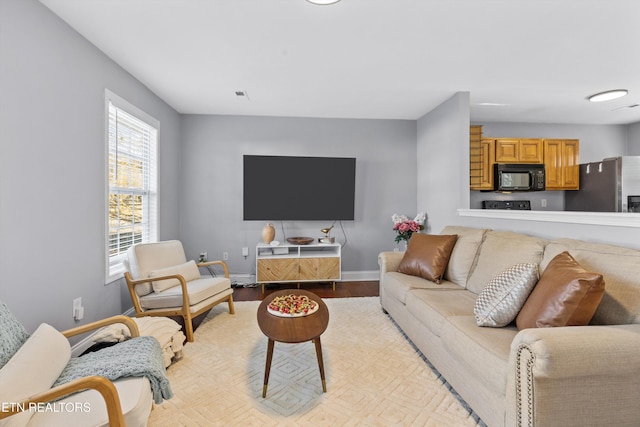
(33, 365)
(162, 282)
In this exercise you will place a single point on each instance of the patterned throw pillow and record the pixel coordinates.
(503, 297)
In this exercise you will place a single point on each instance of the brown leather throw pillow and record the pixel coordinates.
(427, 256)
(565, 295)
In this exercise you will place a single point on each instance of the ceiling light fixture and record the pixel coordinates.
(608, 95)
(323, 2)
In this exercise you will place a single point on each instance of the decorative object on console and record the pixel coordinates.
(268, 233)
(327, 238)
(566, 295)
(299, 240)
(500, 301)
(405, 227)
(427, 256)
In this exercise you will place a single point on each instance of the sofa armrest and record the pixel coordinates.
(578, 375)
(389, 261)
(100, 384)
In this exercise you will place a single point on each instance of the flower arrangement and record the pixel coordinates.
(405, 227)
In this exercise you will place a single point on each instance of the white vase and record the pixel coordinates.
(401, 246)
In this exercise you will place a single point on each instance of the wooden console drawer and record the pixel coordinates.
(273, 270)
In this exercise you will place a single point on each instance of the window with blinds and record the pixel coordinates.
(132, 182)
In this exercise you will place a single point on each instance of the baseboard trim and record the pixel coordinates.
(360, 276)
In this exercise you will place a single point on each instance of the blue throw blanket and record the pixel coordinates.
(12, 334)
(137, 357)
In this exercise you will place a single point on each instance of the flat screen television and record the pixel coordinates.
(299, 188)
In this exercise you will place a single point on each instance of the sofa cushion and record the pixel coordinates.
(33, 369)
(620, 268)
(188, 270)
(199, 290)
(427, 256)
(566, 295)
(503, 297)
(433, 307)
(481, 352)
(397, 285)
(464, 252)
(499, 251)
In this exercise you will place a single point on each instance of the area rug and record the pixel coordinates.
(375, 377)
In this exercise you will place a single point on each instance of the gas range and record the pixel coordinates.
(520, 205)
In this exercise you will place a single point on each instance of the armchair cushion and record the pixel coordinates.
(146, 257)
(188, 270)
(33, 369)
(199, 290)
(135, 399)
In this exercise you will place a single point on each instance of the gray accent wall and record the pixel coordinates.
(211, 215)
(52, 179)
(633, 147)
(443, 161)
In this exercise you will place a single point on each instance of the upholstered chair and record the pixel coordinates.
(162, 282)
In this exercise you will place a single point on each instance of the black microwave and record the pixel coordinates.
(518, 177)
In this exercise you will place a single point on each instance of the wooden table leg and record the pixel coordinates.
(320, 363)
(267, 367)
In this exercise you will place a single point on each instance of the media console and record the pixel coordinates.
(298, 263)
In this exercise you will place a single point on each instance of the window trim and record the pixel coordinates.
(114, 267)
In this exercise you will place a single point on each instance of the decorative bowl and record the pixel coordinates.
(299, 240)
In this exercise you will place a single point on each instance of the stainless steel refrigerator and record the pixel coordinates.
(612, 185)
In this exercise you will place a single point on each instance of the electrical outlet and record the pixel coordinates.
(77, 303)
(78, 309)
(225, 256)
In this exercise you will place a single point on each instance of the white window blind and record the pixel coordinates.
(132, 183)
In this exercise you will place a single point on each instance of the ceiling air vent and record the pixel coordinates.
(242, 94)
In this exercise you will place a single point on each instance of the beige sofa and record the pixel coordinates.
(554, 376)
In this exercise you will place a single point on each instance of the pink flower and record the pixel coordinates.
(405, 227)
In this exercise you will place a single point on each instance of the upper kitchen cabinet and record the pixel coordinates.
(527, 150)
(561, 158)
(481, 160)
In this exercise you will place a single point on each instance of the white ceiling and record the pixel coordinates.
(381, 59)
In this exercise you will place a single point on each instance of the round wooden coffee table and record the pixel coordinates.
(293, 330)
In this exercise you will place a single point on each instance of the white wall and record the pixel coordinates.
(52, 178)
(212, 182)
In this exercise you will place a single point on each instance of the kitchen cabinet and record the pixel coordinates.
(481, 160)
(520, 150)
(561, 158)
